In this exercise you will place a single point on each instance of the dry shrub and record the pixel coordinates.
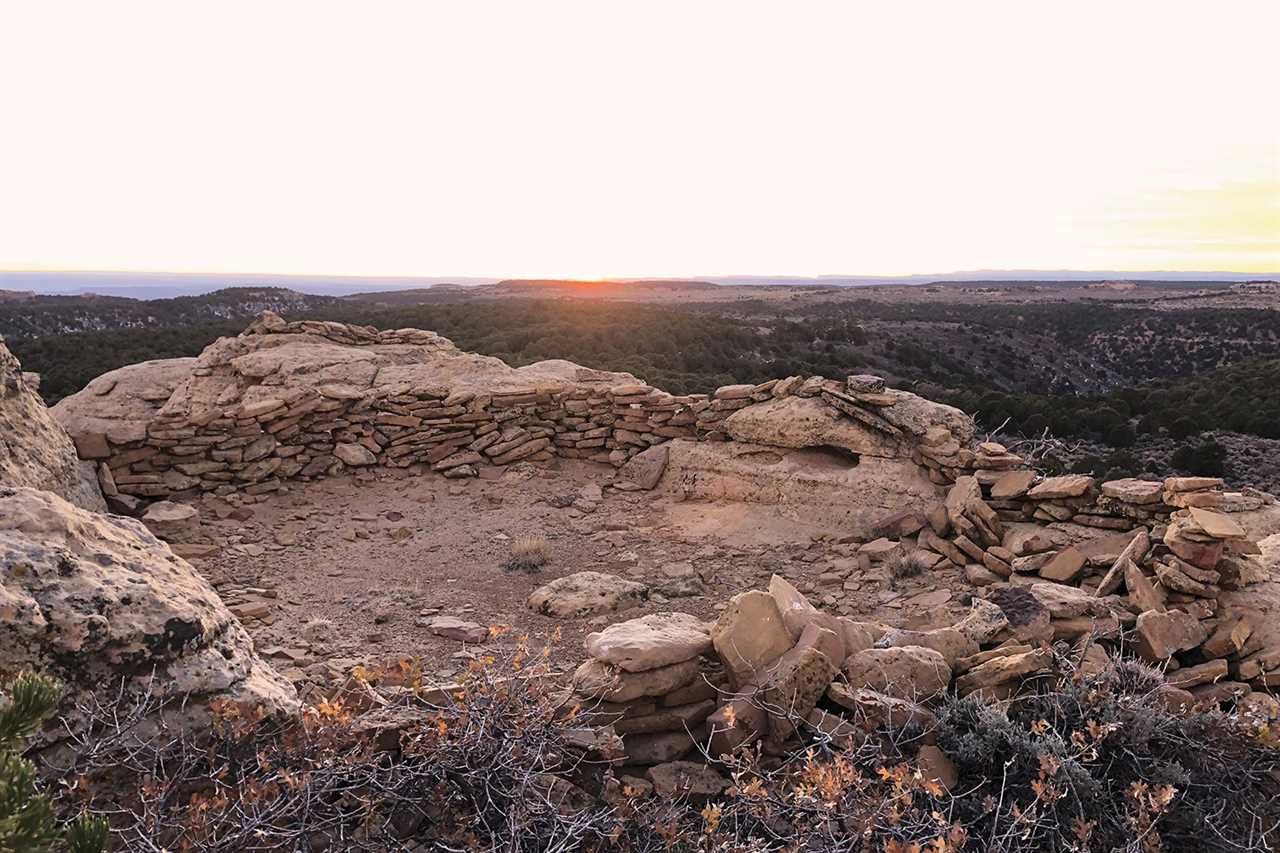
(507, 762)
(529, 553)
(904, 564)
(1100, 763)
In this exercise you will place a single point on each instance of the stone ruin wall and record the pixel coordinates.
(254, 442)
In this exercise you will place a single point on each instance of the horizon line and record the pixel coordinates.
(643, 277)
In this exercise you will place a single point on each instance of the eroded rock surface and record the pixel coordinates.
(806, 486)
(35, 451)
(96, 600)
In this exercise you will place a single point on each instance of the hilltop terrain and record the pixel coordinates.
(552, 601)
(347, 559)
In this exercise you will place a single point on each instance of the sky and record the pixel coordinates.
(606, 139)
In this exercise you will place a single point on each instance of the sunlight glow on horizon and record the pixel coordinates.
(595, 140)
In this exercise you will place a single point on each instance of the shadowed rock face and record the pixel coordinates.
(94, 599)
(35, 451)
(810, 486)
(799, 422)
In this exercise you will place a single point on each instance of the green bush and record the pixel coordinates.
(27, 821)
(1203, 460)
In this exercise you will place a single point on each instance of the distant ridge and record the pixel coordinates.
(161, 285)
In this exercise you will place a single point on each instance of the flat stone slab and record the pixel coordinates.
(651, 641)
(1134, 491)
(1216, 524)
(1066, 486)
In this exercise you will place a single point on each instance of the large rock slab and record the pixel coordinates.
(1064, 486)
(1002, 670)
(1162, 634)
(121, 404)
(800, 616)
(750, 635)
(794, 687)
(688, 779)
(172, 522)
(952, 643)
(799, 422)
(35, 451)
(101, 604)
(651, 641)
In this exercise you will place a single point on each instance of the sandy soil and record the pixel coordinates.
(348, 569)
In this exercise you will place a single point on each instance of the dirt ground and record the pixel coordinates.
(345, 570)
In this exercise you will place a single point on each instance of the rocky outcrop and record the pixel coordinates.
(98, 602)
(35, 451)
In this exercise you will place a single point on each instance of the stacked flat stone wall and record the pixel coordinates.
(253, 444)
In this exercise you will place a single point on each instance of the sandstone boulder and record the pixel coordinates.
(354, 454)
(750, 635)
(35, 451)
(172, 522)
(1134, 491)
(659, 748)
(952, 643)
(1014, 484)
(1065, 486)
(690, 779)
(807, 487)
(936, 766)
(983, 622)
(101, 604)
(1022, 539)
(1065, 602)
(794, 686)
(453, 628)
(878, 711)
(1162, 634)
(907, 672)
(585, 594)
(801, 617)
(916, 415)
(646, 468)
(1142, 593)
(798, 422)
(119, 405)
(999, 671)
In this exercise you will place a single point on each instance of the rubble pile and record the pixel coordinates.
(774, 670)
(1172, 550)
